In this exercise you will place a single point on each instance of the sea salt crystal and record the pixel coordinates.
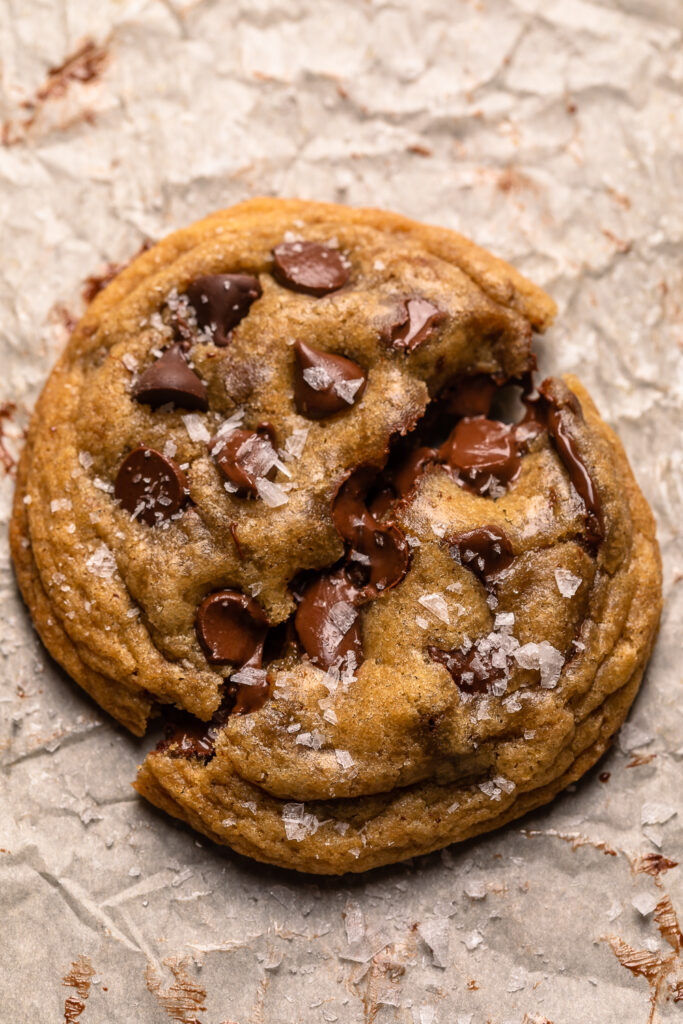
(490, 789)
(129, 361)
(169, 449)
(312, 739)
(517, 980)
(294, 727)
(60, 505)
(436, 604)
(614, 911)
(296, 442)
(378, 265)
(645, 902)
(249, 676)
(492, 601)
(347, 389)
(567, 582)
(421, 622)
(103, 485)
(474, 939)
(438, 529)
(330, 716)
(317, 378)
(195, 427)
(656, 813)
(507, 785)
(504, 621)
(475, 890)
(632, 736)
(344, 759)
(86, 460)
(256, 457)
(101, 562)
(541, 656)
(271, 494)
(298, 822)
(512, 703)
(343, 615)
(434, 932)
(354, 923)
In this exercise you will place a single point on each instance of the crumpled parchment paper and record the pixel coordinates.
(551, 131)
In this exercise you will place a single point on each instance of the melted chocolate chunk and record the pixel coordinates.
(471, 673)
(231, 628)
(471, 396)
(380, 554)
(190, 741)
(485, 550)
(408, 473)
(245, 456)
(170, 379)
(150, 486)
(325, 383)
(250, 697)
(479, 449)
(420, 318)
(548, 411)
(309, 267)
(220, 301)
(327, 623)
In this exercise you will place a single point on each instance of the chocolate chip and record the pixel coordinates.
(555, 410)
(471, 672)
(170, 379)
(251, 697)
(485, 550)
(325, 383)
(327, 623)
(416, 325)
(380, 555)
(220, 301)
(309, 267)
(150, 486)
(480, 449)
(245, 456)
(231, 628)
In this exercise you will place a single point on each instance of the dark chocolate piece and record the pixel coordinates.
(420, 319)
(485, 550)
(309, 267)
(170, 379)
(549, 411)
(327, 623)
(471, 673)
(479, 449)
(325, 383)
(150, 486)
(231, 628)
(220, 301)
(380, 554)
(245, 456)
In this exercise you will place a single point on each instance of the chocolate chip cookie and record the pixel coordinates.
(293, 486)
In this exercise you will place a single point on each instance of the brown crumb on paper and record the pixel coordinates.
(654, 864)
(84, 66)
(79, 977)
(655, 967)
(184, 998)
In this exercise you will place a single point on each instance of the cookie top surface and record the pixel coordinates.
(281, 480)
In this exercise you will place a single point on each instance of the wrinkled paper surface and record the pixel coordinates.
(551, 131)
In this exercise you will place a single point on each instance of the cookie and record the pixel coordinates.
(292, 486)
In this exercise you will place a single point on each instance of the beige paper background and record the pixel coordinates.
(551, 131)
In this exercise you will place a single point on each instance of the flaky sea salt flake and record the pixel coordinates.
(436, 604)
(567, 582)
(195, 427)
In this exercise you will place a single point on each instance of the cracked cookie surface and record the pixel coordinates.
(281, 479)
